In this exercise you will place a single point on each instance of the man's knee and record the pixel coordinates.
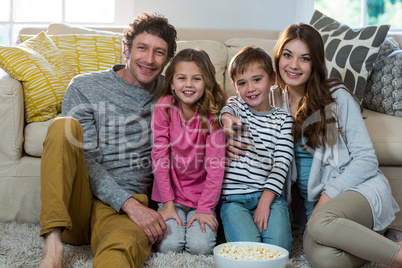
(62, 122)
(66, 127)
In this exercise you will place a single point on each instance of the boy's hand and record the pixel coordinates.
(232, 146)
(203, 219)
(228, 121)
(239, 129)
(262, 213)
(168, 212)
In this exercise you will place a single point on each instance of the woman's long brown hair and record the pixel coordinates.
(315, 119)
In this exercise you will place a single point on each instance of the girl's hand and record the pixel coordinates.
(261, 214)
(203, 219)
(169, 212)
(231, 150)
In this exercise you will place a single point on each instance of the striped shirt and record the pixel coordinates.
(269, 150)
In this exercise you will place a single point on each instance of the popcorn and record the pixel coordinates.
(247, 253)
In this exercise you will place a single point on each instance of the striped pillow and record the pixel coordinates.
(88, 52)
(44, 73)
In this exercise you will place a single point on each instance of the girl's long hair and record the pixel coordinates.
(315, 119)
(214, 97)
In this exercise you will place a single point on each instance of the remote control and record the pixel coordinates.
(239, 128)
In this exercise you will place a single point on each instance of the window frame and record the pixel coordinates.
(364, 19)
(122, 14)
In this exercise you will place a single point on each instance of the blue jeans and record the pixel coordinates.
(192, 240)
(237, 219)
(304, 159)
(302, 182)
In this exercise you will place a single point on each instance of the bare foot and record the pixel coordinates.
(52, 254)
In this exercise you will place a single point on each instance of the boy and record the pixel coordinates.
(253, 208)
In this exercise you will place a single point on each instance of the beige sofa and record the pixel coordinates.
(21, 143)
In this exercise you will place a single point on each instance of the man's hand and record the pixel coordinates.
(232, 151)
(168, 212)
(203, 219)
(149, 220)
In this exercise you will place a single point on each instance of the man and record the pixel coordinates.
(96, 162)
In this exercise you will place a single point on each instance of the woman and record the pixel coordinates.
(347, 198)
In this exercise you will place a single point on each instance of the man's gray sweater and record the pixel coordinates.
(115, 117)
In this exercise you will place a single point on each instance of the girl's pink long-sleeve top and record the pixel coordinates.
(188, 164)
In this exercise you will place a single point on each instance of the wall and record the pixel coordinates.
(224, 14)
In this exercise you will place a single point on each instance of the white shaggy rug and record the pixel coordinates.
(21, 247)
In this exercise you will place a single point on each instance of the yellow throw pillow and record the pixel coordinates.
(88, 52)
(44, 73)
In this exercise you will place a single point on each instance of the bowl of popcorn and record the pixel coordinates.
(250, 255)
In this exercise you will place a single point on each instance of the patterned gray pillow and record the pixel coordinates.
(387, 48)
(350, 53)
(384, 86)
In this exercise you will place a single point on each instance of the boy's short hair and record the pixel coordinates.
(246, 57)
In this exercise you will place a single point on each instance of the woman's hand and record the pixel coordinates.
(168, 212)
(324, 198)
(232, 146)
(203, 219)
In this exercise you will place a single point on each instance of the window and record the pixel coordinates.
(15, 14)
(359, 13)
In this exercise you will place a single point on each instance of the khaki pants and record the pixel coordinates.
(339, 234)
(67, 202)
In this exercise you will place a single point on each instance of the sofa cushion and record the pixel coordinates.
(65, 28)
(385, 133)
(35, 134)
(44, 73)
(217, 53)
(384, 87)
(350, 53)
(234, 45)
(12, 121)
(88, 52)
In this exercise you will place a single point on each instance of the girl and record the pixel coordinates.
(348, 198)
(188, 153)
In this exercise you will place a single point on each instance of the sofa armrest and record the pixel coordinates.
(12, 118)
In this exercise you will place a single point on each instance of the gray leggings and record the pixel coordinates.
(192, 239)
(339, 234)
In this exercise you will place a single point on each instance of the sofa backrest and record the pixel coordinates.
(220, 44)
